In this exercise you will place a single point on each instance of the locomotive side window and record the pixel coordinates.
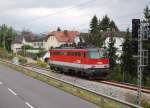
(65, 54)
(76, 53)
(68, 53)
(79, 54)
(61, 53)
(71, 54)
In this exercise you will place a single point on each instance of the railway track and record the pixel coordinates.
(126, 86)
(112, 83)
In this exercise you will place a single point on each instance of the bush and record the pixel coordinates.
(115, 74)
(5, 55)
(26, 47)
(133, 99)
(27, 54)
(41, 64)
(22, 60)
(145, 103)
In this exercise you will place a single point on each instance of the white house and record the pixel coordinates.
(118, 44)
(19, 42)
(119, 39)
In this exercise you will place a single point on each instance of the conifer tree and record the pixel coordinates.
(128, 67)
(94, 25)
(112, 52)
(94, 37)
(98, 26)
(105, 23)
(113, 26)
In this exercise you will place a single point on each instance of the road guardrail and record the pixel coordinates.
(97, 98)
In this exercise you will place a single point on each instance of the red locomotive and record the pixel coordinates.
(92, 63)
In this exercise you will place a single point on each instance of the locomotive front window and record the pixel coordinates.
(96, 55)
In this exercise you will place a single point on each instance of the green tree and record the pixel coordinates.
(105, 23)
(99, 25)
(3, 32)
(7, 34)
(113, 26)
(26, 47)
(112, 52)
(94, 25)
(94, 38)
(128, 67)
(11, 34)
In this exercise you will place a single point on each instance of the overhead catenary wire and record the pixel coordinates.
(58, 12)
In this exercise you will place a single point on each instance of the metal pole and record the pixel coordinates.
(139, 64)
(4, 41)
(24, 49)
(142, 59)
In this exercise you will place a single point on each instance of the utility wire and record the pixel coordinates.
(70, 8)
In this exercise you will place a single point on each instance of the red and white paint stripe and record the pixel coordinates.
(78, 65)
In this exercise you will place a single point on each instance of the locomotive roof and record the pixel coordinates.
(87, 49)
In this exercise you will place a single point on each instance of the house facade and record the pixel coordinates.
(53, 39)
(119, 39)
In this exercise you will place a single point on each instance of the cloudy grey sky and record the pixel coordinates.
(46, 15)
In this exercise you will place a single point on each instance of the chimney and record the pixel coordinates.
(66, 33)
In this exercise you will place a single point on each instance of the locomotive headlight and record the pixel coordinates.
(99, 62)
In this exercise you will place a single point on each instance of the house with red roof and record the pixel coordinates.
(57, 38)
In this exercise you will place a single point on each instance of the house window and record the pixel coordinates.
(34, 44)
(41, 44)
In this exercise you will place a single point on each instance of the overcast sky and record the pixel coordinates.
(41, 16)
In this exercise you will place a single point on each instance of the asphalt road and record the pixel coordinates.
(20, 91)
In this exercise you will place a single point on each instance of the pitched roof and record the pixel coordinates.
(30, 38)
(65, 36)
(18, 39)
(40, 38)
